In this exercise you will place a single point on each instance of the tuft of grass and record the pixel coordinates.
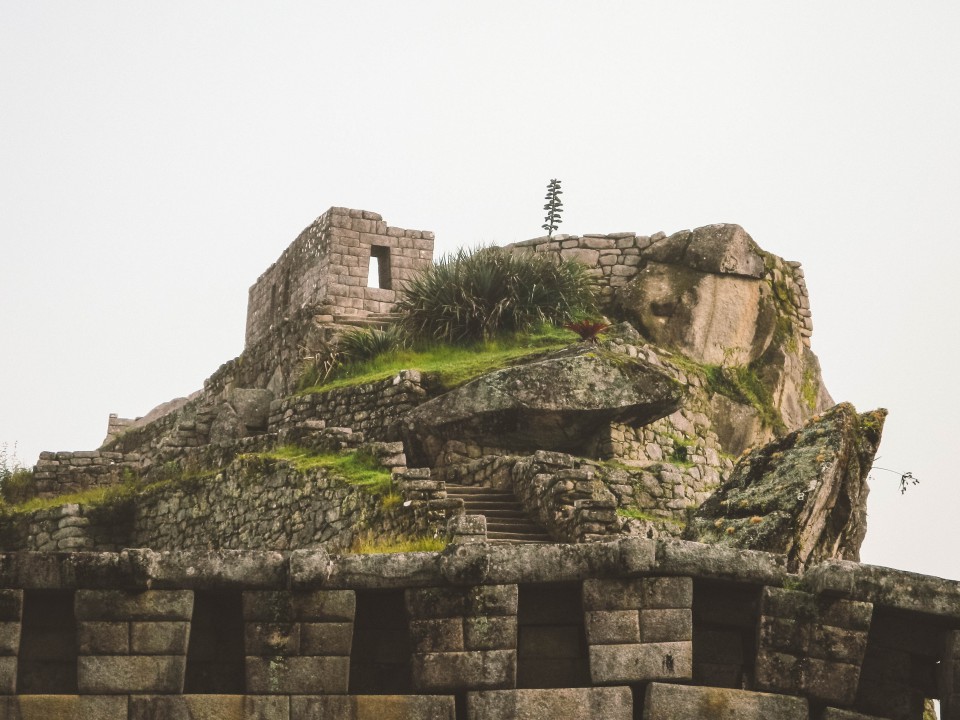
(454, 365)
(93, 496)
(638, 514)
(374, 546)
(356, 468)
(478, 294)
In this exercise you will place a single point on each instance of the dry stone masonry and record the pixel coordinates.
(616, 629)
(209, 568)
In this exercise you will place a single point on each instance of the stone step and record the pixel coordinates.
(507, 522)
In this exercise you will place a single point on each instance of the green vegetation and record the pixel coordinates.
(368, 343)
(480, 294)
(808, 388)
(16, 481)
(553, 207)
(357, 468)
(740, 383)
(453, 365)
(637, 514)
(373, 546)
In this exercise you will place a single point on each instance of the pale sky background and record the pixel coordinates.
(155, 158)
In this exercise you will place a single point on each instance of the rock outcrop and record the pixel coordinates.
(557, 403)
(803, 495)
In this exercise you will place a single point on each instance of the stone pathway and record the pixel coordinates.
(507, 522)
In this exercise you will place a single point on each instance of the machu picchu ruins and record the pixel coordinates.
(661, 521)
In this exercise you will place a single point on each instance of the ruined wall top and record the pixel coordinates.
(326, 269)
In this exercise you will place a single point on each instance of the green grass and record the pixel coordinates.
(93, 496)
(454, 365)
(637, 514)
(373, 546)
(356, 468)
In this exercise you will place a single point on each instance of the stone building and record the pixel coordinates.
(328, 269)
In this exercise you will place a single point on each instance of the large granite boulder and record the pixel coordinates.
(702, 292)
(803, 495)
(557, 403)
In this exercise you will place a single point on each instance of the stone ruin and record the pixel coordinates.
(631, 533)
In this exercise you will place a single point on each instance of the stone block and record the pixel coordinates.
(103, 638)
(208, 707)
(666, 625)
(476, 670)
(667, 592)
(679, 702)
(11, 605)
(437, 635)
(126, 674)
(281, 606)
(617, 664)
(159, 638)
(298, 675)
(9, 638)
(612, 594)
(373, 707)
(329, 638)
(837, 714)
(612, 627)
(125, 605)
(830, 682)
(8, 675)
(265, 639)
(609, 703)
(490, 633)
(64, 707)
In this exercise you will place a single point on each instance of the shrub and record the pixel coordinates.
(588, 330)
(478, 294)
(369, 343)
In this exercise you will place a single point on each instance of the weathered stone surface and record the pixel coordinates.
(679, 557)
(722, 249)
(119, 674)
(64, 707)
(557, 403)
(298, 675)
(121, 604)
(201, 569)
(449, 671)
(803, 495)
(610, 703)
(716, 319)
(678, 702)
(208, 707)
(885, 586)
(374, 707)
(633, 663)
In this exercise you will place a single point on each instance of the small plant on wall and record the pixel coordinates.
(553, 207)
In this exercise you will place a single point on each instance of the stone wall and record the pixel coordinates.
(253, 503)
(327, 266)
(623, 629)
(615, 259)
(63, 473)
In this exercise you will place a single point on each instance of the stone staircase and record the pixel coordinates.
(507, 522)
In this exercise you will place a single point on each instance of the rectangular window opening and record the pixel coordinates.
(378, 275)
(725, 617)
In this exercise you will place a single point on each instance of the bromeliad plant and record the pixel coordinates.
(478, 294)
(588, 330)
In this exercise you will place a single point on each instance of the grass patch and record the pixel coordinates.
(454, 365)
(373, 546)
(637, 514)
(356, 468)
(93, 496)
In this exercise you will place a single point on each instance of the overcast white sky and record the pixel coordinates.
(155, 158)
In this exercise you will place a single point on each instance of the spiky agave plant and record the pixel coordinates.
(588, 330)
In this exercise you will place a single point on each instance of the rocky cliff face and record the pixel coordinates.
(804, 495)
